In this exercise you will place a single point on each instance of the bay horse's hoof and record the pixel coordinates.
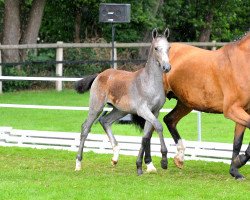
(114, 162)
(164, 164)
(178, 163)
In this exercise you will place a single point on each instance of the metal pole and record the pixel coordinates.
(1, 86)
(113, 45)
(199, 125)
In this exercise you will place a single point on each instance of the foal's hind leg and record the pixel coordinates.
(238, 160)
(171, 120)
(95, 108)
(106, 122)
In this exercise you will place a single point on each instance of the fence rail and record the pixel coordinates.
(99, 143)
(101, 45)
(59, 46)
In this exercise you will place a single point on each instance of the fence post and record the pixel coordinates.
(214, 45)
(1, 85)
(59, 66)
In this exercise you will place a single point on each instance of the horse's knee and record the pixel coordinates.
(237, 114)
(158, 126)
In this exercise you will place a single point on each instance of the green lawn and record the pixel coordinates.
(214, 127)
(49, 174)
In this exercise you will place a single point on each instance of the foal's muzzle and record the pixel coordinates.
(166, 67)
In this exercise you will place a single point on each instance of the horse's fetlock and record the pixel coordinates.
(79, 157)
(138, 163)
(164, 152)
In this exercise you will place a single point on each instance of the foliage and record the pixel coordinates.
(9, 86)
(186, 18)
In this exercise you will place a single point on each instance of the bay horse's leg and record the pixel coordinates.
(171, 120)
(238, 160)
(145, 148)
(106, 122)
(237, 114)
(145, 112)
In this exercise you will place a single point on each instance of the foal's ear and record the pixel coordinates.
(154, 33)
(166, 32)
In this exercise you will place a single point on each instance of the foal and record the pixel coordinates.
(139, 92)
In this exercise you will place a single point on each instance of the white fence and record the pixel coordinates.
(99, 143)
(59, 46)
(87, 108)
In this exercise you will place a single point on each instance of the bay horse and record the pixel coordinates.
(213, 82)
(139, 93)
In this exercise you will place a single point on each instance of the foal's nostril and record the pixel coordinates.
(167, 67)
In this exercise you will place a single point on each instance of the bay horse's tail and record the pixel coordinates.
(138, 121)
(85, 83)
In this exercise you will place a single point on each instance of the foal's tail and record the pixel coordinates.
(85, 83)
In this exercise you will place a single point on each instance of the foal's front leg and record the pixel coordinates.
(148, 116)
(145, 148)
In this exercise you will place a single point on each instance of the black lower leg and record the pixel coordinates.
(147, 158)
(140, 158)
(164, 160)
(242, 159)
(235, 164)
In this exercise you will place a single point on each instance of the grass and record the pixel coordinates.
(215, 127)
(49, 174)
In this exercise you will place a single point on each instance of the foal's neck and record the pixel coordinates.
(153, 73)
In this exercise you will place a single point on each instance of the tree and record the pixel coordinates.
(15, 30)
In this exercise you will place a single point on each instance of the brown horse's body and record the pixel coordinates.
(211, 81)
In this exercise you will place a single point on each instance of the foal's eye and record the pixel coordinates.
(156, 48)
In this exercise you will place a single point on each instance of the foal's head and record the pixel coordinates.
(160, 48)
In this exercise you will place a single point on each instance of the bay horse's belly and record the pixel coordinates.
(196, 89)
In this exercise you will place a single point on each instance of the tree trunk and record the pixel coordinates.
(31, 31)
(11, 29)
(206, 30)
(143, 52)
(78, 20)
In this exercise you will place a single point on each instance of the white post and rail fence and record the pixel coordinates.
(59, 46)
(12, 137)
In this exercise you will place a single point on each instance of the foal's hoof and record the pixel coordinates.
(139, 172)
(164, 164)
(78, 165)
(151, 168)
(239, 177)
(114, 162)
(178, 163)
